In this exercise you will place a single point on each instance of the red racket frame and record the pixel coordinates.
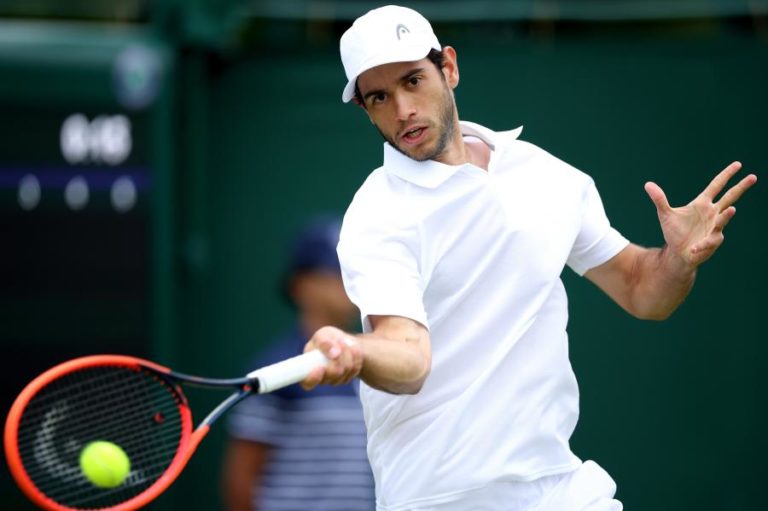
(187, 444)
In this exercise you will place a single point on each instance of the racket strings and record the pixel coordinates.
(134, 409)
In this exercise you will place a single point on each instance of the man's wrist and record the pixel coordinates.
(676, 264)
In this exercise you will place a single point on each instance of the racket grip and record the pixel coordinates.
(287, 372)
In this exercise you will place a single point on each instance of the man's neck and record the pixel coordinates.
(466, 150)
(477, 152)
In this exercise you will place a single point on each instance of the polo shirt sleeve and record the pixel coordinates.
(596, 241)
(379, 265)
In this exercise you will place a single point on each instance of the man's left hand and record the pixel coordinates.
(693, 232)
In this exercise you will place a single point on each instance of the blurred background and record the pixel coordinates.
(157, 155)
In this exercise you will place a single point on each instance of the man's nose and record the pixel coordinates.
(405, 108)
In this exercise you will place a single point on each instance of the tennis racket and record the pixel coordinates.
(134, 403)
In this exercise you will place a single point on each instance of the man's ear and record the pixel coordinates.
(450, 67)
(362, 105)
(359, 103)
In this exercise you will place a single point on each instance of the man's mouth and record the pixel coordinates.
(414, 135)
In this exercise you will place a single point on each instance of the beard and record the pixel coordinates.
(445, 129)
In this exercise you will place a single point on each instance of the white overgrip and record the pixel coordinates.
(288, 371)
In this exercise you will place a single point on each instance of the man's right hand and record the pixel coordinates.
(396, 357)
(344, 354)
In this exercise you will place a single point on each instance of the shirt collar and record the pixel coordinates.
(431, 174)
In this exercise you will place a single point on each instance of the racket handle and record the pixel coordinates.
(287, 372)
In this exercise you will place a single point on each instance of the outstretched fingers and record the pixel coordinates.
(718, 183)
(723, 218)
(730, 197)
(716, 237)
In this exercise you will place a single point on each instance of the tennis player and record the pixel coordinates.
(453, 251)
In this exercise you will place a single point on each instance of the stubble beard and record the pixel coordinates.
(446, 128)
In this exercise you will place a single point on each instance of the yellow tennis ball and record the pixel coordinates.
(104, 464)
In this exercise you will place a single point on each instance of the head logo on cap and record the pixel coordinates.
(401, 29)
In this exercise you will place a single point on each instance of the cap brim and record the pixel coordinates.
(349, 91)
(410, 53)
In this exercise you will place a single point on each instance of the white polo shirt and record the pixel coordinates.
(476, 257)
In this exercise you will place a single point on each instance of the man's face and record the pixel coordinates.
(412, 106)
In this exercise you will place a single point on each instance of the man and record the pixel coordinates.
(294, 450)
(453, 251)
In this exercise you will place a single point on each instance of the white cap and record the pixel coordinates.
(382, 36)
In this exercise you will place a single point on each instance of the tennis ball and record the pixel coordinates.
(104, 464)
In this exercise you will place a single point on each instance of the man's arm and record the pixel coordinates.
(646, 282)
(651, 283)
(395, 357)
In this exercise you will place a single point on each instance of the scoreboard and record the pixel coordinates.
(75, 217)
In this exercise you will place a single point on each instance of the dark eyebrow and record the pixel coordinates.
(407, 76)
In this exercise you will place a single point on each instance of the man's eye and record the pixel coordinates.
(414, 80)
(379, 98)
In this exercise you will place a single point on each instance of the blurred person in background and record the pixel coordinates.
(294, 450)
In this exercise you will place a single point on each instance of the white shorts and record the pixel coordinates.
(588, 488)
